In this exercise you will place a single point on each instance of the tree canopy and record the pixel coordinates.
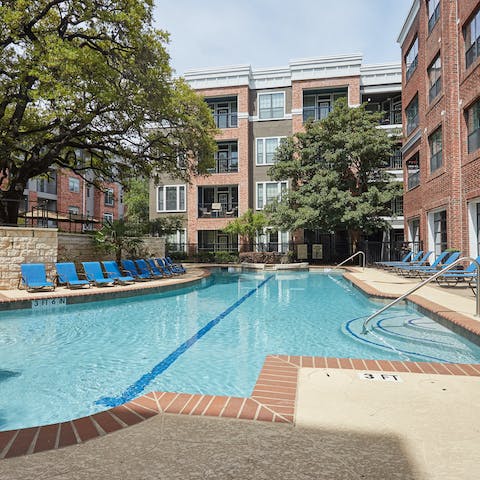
(337, 179)
(248, 225)
(86, 85)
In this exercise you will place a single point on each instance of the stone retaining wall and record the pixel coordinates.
(47, 245)
(25, 245)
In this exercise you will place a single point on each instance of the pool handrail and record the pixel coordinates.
(425, 282)
(360, 252)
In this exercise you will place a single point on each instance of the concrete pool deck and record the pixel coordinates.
(347, 422)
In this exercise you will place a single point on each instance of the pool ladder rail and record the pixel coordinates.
(425, 282)
(360, 252)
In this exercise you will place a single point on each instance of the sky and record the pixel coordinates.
(270, 33)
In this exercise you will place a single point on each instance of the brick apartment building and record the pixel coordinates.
(255, 109)
(440, 42)
(67, 201)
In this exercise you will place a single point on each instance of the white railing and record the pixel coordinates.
(353, 256)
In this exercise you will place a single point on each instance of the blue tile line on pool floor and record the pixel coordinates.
(139, 386)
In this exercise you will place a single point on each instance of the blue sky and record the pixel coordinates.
(264, 33)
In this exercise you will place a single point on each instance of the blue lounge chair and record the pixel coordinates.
(144, 269)
(154, 268)
(412, 270)
(94, 274)
(454, 277)
(173, 268)
(131, 269)
(67, 274)
(179, 266)
(404, 260)
(420, 261)
(113, 271)
(34, 277)
(427, 271)
(165, 270)
(413, 260)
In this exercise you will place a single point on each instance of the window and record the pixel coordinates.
(272, 241)
(411, 59)
(267, 192)
(397, 206)
(433, 7)
(224, 111)
(413, 172)
(74, 185)
(317, 105)
(266, 148)
(108, 218)
(471, 33)
(439, 231)
(177, 241)
(435, 142)
(411, 112)
(271, 105)
(109, 197)
(171, 198)
(73, 210)
(473, 127)
(414, 234)
(434, 73)
(226, 158)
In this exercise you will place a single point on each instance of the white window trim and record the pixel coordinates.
(430, 226)
(77, 182)
(472, 227)
(265, 192)
(279, 138)
(257, 117)
(109, 215)
(164, 198)
(109, 191)
(178, 238)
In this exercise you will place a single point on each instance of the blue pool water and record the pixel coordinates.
(73, 360)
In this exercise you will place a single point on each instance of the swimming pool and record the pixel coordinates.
(74, 360)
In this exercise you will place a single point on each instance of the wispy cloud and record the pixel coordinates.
(267, 33)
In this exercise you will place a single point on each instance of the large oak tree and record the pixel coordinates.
(338, 179)
(86, 85)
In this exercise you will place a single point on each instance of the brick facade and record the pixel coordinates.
(457, 181)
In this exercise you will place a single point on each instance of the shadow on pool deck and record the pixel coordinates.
(178, 447)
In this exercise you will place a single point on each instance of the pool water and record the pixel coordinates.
(73, 360)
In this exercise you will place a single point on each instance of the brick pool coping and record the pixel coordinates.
(273, 398)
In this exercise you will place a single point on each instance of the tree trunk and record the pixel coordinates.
(354, 239)
(10, 201)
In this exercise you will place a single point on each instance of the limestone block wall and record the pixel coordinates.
(78, 247)
(25, 245)
(155, 246)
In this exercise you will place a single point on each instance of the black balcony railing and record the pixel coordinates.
(225, 165)
(472, 53)
(411, 68)
(217, 210)
(392, 117)
(395, 161)
(316, 113)
(435, 89)
(226, 120)
(474, 141)
(413, 180)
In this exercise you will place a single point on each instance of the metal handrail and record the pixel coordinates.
(428, 280)
(360, 252)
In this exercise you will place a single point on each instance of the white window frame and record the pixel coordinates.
(264, 238)
(259, 94)
(414, 234)
(177, 237)
(431, 228)
(264, 193)
(108, 217)
(473, 228)
(73, 181)
(177, 209)
(109, 194)
(264, 155)
(74, 210)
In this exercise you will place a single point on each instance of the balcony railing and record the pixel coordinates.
(218, 247)
(225, 165)
(316, 113)
(435, 89)
(217, 210)
(474, 141)
(473, 52)
(395, 161)
(413, 180)
(226, 120)
(392, 117)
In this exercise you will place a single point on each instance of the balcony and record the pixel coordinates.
(316, 113)
(226, 120)
(395, 161)
(392, 117)
(217, 210)
(224, 111)
(226, 158)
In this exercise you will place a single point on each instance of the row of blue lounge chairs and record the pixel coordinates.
(34, 276)
(416, 265)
